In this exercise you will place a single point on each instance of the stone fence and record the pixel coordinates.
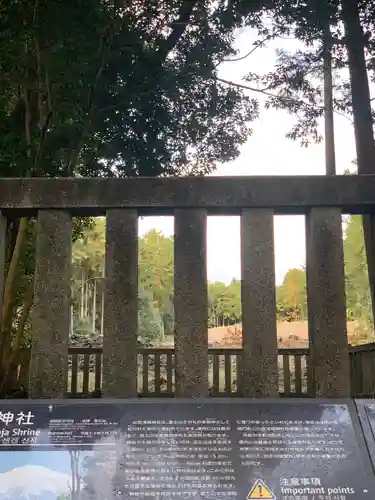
(255, 199)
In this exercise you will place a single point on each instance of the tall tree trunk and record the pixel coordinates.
(10, 291)
(82, 293)
(102, 315)
(329, 129)
(363, 122)
(76, 475)
(94, 307)
(13, 271)
(71, 319)
(87, 293)
(17, 341)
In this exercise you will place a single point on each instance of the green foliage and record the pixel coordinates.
(296, 83)
(224, 303)
(118, 89)
(156, 315)
(150, 320)
(291, 296)
(156, 273)
(358, 295)
(109, 89)
(155, 278)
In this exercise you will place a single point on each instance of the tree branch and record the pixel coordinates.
(105, 44)
(178, 29)
(41, 142)
(280, 98)
(257, 45)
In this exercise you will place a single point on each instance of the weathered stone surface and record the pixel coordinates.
(121, 305)
(51, 310)
(286, 194)
(190, 302)
(326, 302)
(2, 255)
(259, 358)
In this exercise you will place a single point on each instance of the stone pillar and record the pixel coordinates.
(120, 345)
(259, 336)
(3, 225)
(190, 303)
(326, 303)
(51, 310)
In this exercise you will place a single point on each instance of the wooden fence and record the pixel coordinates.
(362, 363)
(156, 376)
(156, 372)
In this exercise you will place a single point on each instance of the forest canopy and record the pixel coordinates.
(156, 285)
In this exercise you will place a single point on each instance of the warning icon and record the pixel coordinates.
(260, 491)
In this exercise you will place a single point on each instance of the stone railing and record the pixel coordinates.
(256, 200)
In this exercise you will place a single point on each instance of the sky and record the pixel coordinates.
(55, 460)
(267, 152)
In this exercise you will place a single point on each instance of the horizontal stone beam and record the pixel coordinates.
(221, 195)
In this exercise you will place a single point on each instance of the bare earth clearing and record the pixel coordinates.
(290, 335)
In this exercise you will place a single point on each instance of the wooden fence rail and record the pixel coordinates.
(156, 372)
(363, 370)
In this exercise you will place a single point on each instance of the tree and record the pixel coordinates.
(146, 101)
(111, 89)
(18, 294)
(150, 320)
(292, 295)
(358, 296)
(335, 33)
(302, 81)
(98, 471)
(358, 16)
(88, 270)
(224, 303)
(156, 273)
(156, 286)
(155, 282)
(75, 465)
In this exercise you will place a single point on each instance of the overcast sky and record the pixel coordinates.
(267, 152)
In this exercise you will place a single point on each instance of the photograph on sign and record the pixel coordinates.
(37, 475)
(210, 451)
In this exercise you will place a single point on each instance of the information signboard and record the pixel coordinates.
(366, 412)
(179, 449)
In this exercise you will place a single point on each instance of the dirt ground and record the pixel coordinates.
(294, 334)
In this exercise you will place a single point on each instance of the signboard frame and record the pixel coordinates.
(364, 422)
(356, 421)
